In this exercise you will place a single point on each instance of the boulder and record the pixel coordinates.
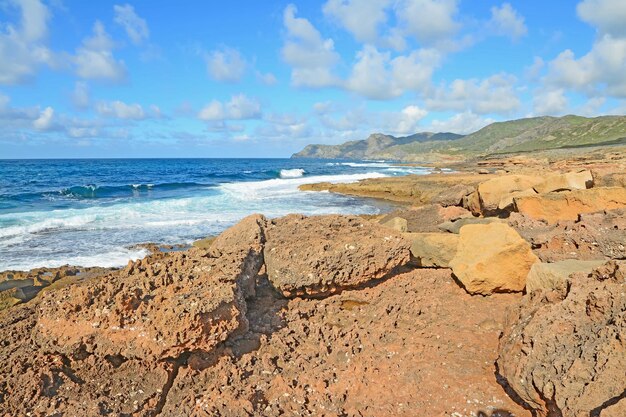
(493, 191)
(453, 196)
(575, 180)
(455, 226)
(554, 275)
(339, 252)
(433, 249)
(11, 297)
(492, 258)
(395, 223)
(472, 203)
(563, 352)
(158, 307)
(507, 201)
(568, 205)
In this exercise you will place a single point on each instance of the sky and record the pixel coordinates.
(247, 78)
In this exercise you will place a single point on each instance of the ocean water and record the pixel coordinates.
(94, 212)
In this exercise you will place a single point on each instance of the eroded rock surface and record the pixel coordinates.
(564, 352)
(340, 252)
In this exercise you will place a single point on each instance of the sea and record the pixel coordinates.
(95, 212)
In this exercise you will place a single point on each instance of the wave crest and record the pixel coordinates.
(292, 173)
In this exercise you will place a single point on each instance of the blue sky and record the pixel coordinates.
(264, 78)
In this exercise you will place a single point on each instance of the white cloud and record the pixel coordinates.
(120, 110)
(310, 56)
(607, 15)
(376, 76)
(44, 121)
(550, 103)
(361, 18)
(506, 21)
(94, 58)
(268, 78)
(81, 96)
(240, 107)
(22, 47)
(83, 132)
(495, 94)
(429, 21)
(461, 123)
(136, 28)
(405, 122)
(226, 65)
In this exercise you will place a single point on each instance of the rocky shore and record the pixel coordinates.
(496, 290)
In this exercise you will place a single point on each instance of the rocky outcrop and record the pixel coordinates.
(433, 250)
(340, 252)
(496, 191)
(550, 276)
(423, 219)
(568, 205)
(398, 224)
(455, 226)
(492, 258)
(575, 180)
(564, 352)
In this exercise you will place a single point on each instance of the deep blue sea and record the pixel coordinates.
(92, 212)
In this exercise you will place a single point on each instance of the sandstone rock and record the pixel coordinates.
(563, 352)
(609, 179)
(340, 252)
(492, 258)
(455, 226)
(506, 203)
(418, 219)
(574, 180)
(433, 249)
(452, 213)
(568, 205)
(492, 191)
(10, 297)
(453, 196)
(554, 275)
(472, 203)
(396, 223)
(161, 306)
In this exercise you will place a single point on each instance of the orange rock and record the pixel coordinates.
(492, 258)
(492, 191)
(567, 205)
(580, 180)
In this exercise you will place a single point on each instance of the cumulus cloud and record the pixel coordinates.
(607, 15)
(461, 123)
(495, 94)
(120, 110)
(506, 21)
(361, 18)
(136, 28)
(45, 119)
(22, 47)
(225, 64)
(429, 21)
(240, 107)
(94, 58)
(310, 56)
(81, 98)
(550, 103)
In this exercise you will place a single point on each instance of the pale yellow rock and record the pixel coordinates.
(507, 201)
(552, 275)
(574, 180)
(567, 205)
(433, 249)
(492, 191)
(472, 203)
(492, 258)
(397, 223)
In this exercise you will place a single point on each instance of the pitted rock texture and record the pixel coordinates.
(324, 254)
(564, 351)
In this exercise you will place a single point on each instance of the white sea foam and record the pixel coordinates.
(376, 164)
(291, 173)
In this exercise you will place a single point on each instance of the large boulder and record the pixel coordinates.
(161, 306)
(423, 219)
(493, 191)
(322, 254)
(455, 226)
(433, 249)
(575, 180)
(564, 352)
(568, 205)
(492, 258)
(554, 275)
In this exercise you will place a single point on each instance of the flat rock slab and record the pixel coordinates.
(340, 252)
(553, 275)
(568, 205)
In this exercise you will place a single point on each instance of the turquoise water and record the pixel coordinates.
(92, 212)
